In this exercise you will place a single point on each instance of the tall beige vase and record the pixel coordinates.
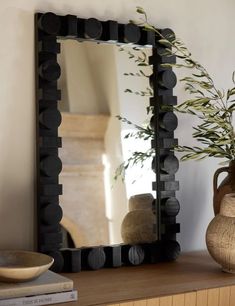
(220, 235)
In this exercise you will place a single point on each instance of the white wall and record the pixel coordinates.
(207, 28)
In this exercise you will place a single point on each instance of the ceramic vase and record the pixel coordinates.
(220, 235)
(137, 225)
(141, 201)
(226, 186)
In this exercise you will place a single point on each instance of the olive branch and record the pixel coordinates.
(212, 106)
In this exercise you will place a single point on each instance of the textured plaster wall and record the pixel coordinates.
(207, 28)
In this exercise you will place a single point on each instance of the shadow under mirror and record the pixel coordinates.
(99, 82)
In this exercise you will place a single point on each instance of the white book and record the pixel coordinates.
(44, 299)
(48, 282)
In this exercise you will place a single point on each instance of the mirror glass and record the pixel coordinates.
(96, 85)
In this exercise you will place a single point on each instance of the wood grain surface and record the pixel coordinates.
(193, 280)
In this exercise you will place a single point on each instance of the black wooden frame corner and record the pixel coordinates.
(49, 27)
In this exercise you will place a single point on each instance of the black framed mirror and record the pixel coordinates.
(52, 31)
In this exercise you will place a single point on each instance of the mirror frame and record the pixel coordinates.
(48, 28)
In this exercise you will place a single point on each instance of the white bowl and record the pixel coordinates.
(22, 266)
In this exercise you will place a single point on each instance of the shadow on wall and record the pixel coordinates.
(196, 184)
(17, 125)
(196, 200)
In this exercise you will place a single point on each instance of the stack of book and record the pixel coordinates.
(49, 288)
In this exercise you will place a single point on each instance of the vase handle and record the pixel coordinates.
(216, 175)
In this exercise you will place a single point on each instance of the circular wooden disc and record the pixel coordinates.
(49, 23)
(168, 79)
(51, 165)
(171, 206)
(169, 164)
(51, 213)
(50, 70)
(168, 121)
(131, 33)
(93, 28)
(50, 118)
(171, 250)
(96, 258)
(136, 255)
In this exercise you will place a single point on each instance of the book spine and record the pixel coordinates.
(45, 299)
(14, 292)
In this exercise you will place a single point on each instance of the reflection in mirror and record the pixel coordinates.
(93, 88)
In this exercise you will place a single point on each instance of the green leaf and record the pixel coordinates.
(147, 27)
(164, 42)
(140, 10)
(142, 64)
(167, 65)
(231, 91)
(198, 75)
(224, 163)
(233, 77)
(221, 95)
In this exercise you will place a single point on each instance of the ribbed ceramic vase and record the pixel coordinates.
(220, 235)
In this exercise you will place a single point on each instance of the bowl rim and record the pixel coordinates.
(50, 260)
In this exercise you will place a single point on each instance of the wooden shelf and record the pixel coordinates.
(191, 272)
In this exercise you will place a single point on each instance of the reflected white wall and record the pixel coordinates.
(133, 107)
